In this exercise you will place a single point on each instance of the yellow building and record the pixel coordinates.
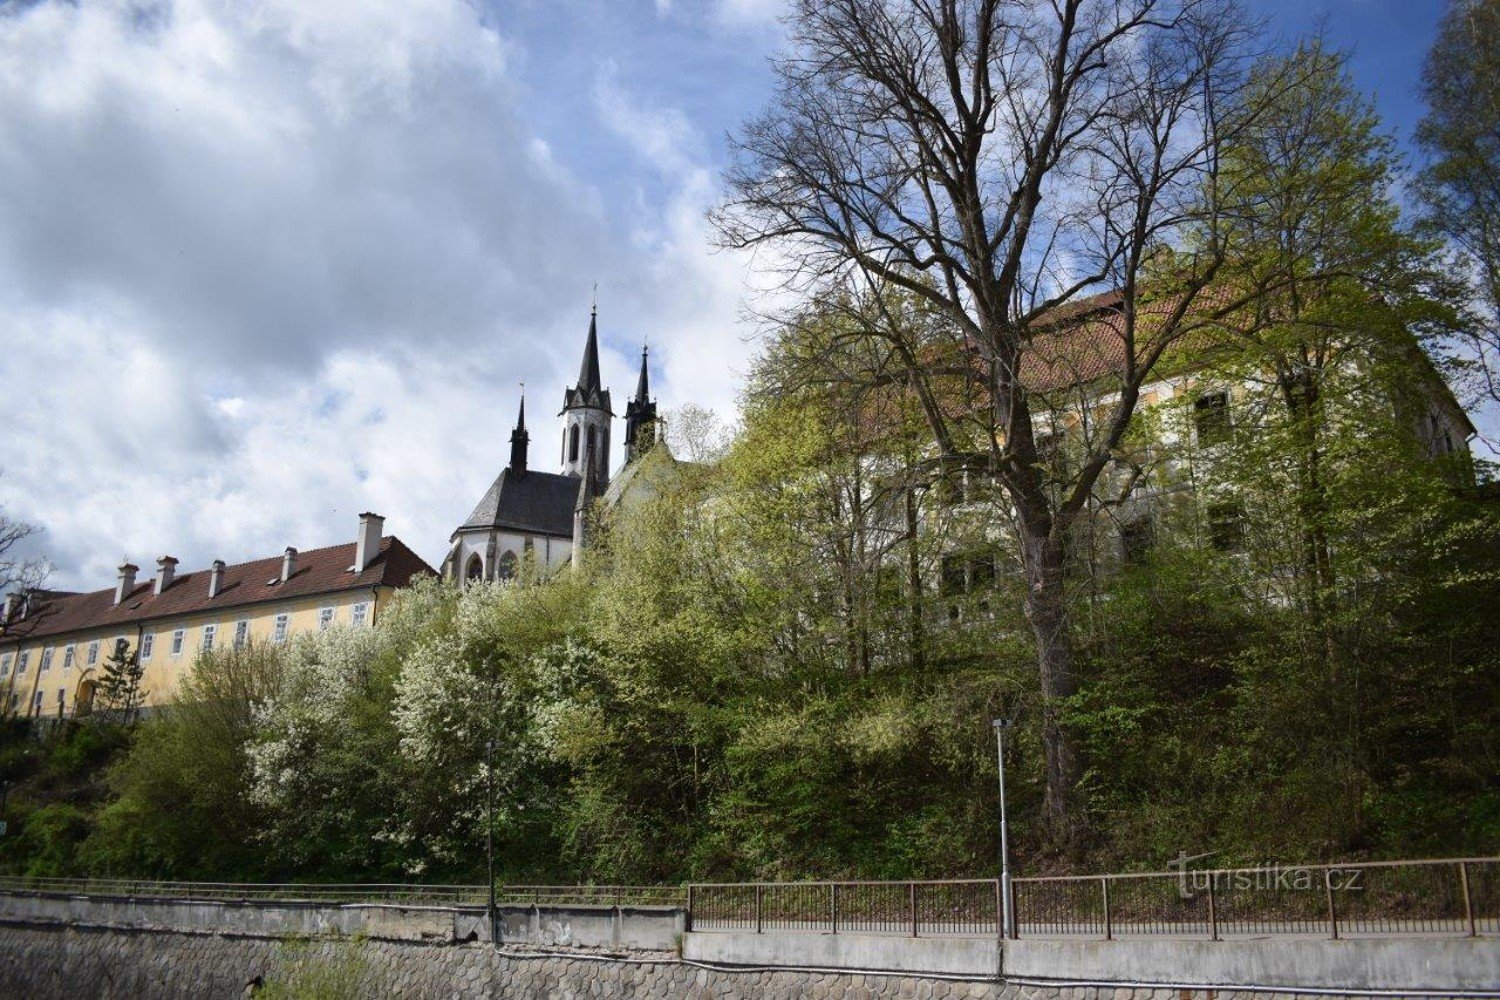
(53, 645)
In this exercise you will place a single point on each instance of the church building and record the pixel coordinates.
(543, 515)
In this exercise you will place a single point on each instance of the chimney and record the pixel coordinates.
(215, 577)
(125, 582)
(288, 563)
(11, 601)
(367, 543)
(166, 569)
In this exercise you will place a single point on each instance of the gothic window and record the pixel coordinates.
(508, 565)
(573, 443)
(475, 569)
(1211, 417)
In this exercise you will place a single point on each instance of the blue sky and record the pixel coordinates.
(267, 263)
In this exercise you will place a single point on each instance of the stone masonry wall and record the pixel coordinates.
(46, 962)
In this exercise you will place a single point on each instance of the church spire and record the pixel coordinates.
(640, 415)
(519, 439)
(588, 372)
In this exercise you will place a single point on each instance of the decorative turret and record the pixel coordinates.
(640, 417)
(519, 439)
(587, 415)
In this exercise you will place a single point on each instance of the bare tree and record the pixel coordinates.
(17, 572)
(1003, 161)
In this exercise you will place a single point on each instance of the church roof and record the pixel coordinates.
(536, 502)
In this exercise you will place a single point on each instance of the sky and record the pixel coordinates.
(265, 264)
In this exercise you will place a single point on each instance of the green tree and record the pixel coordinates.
(119, 695)
(1460, 136)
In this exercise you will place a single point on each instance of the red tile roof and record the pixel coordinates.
(318, 571)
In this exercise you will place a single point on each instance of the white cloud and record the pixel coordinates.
(266, 265)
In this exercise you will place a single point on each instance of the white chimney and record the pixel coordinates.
(166, 569)
(288, 563)
(215, 577)
(367, 543)
(125, 582)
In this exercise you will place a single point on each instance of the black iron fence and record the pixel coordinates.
(965, 907)
(1453, 896)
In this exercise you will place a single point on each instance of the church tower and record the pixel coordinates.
(640, 417)
(586, 417)
(519, 439)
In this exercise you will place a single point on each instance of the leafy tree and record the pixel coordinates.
(1001, 162)
(1461, 138)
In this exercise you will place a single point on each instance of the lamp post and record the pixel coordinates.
(489, 830)
(1007, 928)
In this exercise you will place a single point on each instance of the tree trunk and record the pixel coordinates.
(1046, 611)
(916, 628)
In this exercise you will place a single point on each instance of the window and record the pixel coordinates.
(46, 661)
(508, 566)
(325, 618)
(278, 634)
(21, 663)
(93, 653)
(1211, 417)
(62, 698)
(1226, 526)
(953, 576)
(573, 443)
(177, 637)
(5, 665)
(120, 647)
(209, 632)
(37, 703)
(1136, 538)
(148, 642)
(475, 570)
(982, 572)
(358, 612)
(68, 658)
(241, 633)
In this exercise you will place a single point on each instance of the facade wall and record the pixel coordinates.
(163, 670)
(550, 553)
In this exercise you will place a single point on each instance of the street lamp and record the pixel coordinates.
(1007, 926)
(489, 829)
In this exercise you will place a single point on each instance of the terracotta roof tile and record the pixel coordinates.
(318, 571)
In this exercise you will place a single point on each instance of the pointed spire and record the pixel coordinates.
(640, 416)
(588, 372)
(519, 439)
(643, 384)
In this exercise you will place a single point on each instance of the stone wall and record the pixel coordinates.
(53, 963)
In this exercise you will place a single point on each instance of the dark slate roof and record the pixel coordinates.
(319, 571)
(536, 502)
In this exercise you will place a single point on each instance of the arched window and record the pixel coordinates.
(590, 452)
(508, 565)
(475, 569)
(573, 443)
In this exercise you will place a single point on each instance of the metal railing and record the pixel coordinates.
(1452, 896)
(326, 892)
(957, 908)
